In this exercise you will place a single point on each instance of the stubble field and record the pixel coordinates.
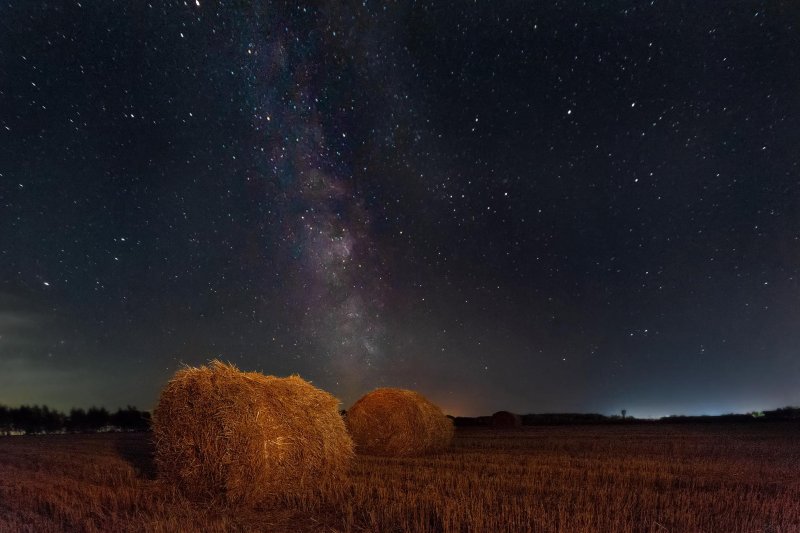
(625, 478)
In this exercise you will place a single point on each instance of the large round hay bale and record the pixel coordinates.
(506, 420)
(398, 422)
(247, 438)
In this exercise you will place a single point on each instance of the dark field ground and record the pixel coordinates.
(720, 478)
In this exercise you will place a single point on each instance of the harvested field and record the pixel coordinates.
(624, 478)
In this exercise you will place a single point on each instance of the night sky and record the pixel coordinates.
(532, 206)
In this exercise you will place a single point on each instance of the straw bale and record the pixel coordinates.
(247, 438)
(398, 422)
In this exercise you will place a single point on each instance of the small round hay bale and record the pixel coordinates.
(398, 422)
(506, 420)
(247, 438)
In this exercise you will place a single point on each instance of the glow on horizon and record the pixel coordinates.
(715, 410)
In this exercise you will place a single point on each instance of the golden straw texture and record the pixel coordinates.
(398, 422)
(247, 438)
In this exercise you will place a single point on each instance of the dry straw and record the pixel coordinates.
(246, 438)
(398, 422)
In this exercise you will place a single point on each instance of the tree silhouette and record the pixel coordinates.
(130, 419)
(77, 420)
(42, 419)
(5, 420)
(97, 418)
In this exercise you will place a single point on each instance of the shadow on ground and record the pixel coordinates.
(137, 449)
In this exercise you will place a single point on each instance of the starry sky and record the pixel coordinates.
(533, 206)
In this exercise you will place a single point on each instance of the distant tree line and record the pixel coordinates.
(783, 413)
(540, 419)
(32, 419)
(559, 419)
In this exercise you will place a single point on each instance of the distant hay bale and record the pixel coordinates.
(247, 438)
(506, 420)
(398, 422)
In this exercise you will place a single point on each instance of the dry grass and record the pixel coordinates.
(626, 479)
(398, 423)
(249, 438)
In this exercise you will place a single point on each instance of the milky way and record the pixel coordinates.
(526, 206)
(335, 273)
